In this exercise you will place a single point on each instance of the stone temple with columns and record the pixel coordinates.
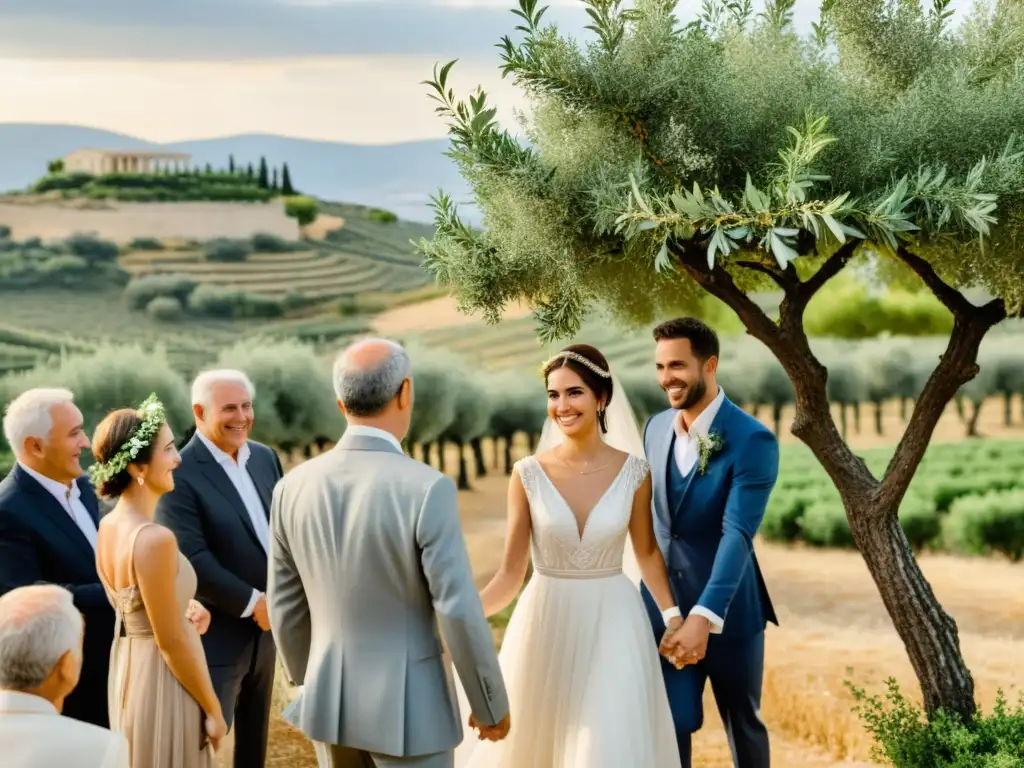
(100, 161)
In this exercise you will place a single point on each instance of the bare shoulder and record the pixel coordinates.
(155, 541)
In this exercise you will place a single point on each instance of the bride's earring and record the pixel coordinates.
(141, 481)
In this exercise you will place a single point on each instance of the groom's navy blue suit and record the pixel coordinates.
(705, 524)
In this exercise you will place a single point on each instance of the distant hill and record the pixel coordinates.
(399, 177)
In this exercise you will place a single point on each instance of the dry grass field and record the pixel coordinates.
(833, 628)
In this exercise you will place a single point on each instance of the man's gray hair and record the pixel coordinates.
(29, 415)
(202, 387)
(366, 391)
(38, 625)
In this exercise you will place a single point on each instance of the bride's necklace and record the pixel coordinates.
(585, 465)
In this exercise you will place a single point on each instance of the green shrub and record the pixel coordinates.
(146, 244)
(218, 301)
(62, 181)
(5, 232)
(845, 308)
(142, 290)
(109, 378)
(303, 209)
(381, 216)
(166, 309)
(991, 522)
(904, 738)
(919, 520)
(227, 250)
(824, 524)
(294, 406)
(92, 249)
(266, 243)
(6, 463)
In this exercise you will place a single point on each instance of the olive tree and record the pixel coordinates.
(730, 155)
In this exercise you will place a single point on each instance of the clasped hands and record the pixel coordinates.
(685, 642)
(495, 732)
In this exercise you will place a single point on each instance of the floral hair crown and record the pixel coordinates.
(153, 417)
(576, 356)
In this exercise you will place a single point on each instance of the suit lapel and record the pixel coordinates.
(88, 499)
(219, 479)
(51, 509)
(264, 485)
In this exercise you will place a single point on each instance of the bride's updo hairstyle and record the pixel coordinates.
(591, 366)
(124, 437)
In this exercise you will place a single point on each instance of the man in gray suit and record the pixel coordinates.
(367, 561)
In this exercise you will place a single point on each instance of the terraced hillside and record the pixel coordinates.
(319, 274)
(51, 323)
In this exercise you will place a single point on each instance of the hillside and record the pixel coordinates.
(196, 298)
(399, 177)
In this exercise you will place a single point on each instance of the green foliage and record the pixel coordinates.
(111, 377)
(218, 301)
(141, 291)
(658, 152)
(267, 243)
(847, 309)
(381, 216)
(435, 400)
(227, 250)
(166, 309)
(156, 187)
(301, 208)
(79, 261)
(293, 403)
(905, 739)
(146, 244)
(966, 498)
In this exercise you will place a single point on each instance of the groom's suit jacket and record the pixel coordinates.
(367, 558)
(705, 523)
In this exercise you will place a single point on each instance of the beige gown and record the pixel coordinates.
(164, 725)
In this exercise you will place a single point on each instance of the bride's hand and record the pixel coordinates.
(216, 729)
(199, 616)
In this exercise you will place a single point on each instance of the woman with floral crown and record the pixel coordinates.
(160, 694)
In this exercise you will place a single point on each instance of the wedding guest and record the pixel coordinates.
(219, 511)
(48, 522)
(40, 662)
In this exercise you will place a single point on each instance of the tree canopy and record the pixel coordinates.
(733, 141)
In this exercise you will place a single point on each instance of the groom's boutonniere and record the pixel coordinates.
(706, 446)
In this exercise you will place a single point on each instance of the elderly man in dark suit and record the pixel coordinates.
(49, 517)
(219, 510)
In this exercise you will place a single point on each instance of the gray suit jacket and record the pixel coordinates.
(367, 558)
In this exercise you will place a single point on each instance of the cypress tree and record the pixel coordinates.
(286, 181)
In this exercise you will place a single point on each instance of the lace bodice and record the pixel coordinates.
(556, 544)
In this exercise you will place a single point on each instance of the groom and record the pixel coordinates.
(713, 467)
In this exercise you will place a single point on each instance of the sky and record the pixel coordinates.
(340, 70)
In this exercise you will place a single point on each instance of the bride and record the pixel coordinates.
(580, 664)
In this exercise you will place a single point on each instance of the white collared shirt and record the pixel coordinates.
(686, 442)
(243, 483)
(686, 457)
(365, 431)
(70, 500)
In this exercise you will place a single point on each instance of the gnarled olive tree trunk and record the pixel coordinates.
(927, 631)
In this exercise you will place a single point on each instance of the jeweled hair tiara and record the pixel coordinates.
(582, 361)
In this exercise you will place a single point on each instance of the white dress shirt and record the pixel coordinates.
(364, 431)
(70, 500)
(243, 483)
(686, 454)
(34, 735)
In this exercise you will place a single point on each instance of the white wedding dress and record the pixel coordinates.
(579, 659)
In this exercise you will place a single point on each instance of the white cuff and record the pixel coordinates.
(671, 613)
(252, 604)
(717, 623)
